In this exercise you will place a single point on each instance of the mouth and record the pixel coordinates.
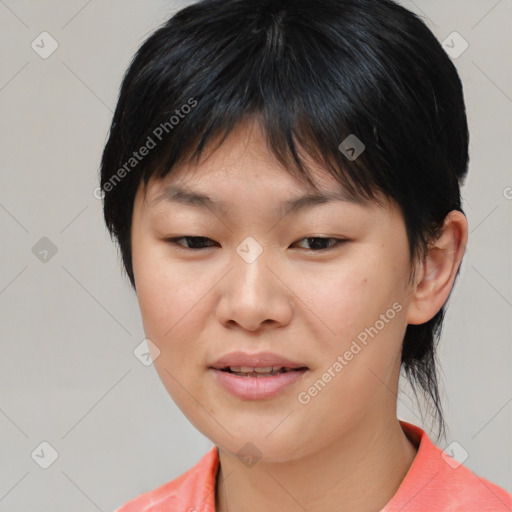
(258, 382)
(264, 371)
(257, 376)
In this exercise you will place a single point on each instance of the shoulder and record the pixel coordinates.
(436, 481)
(193, 491)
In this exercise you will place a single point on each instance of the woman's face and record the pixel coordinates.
(262, 278)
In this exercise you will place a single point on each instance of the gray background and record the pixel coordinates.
(70, 324)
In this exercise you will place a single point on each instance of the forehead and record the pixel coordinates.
(242, 168)
(226, 190)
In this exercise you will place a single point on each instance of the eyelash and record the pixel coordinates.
(338, 241)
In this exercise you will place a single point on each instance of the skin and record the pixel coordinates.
(345, 448)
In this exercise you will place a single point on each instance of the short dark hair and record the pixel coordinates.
(312, 72)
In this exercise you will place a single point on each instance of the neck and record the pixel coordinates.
(358, 473)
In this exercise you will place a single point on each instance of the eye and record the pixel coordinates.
(320, 243)
(197, 242)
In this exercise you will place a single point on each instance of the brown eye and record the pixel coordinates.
(321, 243)
(192, 242)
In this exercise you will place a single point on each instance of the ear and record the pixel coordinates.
(436, 274)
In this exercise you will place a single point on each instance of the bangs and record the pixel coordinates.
(305, 106)
(293, 143)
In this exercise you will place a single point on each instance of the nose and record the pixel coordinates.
(254, 295)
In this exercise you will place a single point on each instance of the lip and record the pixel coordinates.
(256, 360)
(257, 388)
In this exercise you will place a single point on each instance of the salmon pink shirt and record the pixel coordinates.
(435, 482)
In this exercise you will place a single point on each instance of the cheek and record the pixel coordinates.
(175, 302)
(361, 303)
(173, 317)
(351, 294)
(357, 363)
(166, 292)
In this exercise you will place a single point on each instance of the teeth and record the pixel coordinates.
(267, 369)
(250, 369)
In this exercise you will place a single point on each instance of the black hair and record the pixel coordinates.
(312, 72)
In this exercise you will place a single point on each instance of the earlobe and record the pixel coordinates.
(439, 269)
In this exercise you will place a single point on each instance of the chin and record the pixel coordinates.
(257, 446)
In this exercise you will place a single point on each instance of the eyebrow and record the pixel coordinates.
(189, 197)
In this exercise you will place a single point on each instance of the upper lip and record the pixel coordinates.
(257, 360)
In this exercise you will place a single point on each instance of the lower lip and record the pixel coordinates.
(257, 388)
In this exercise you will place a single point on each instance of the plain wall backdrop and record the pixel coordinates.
(70, 322)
